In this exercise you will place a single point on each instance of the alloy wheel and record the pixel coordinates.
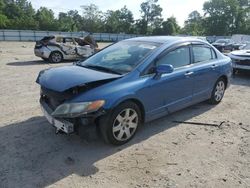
(125, 124)
(56, 57)
(219, 91)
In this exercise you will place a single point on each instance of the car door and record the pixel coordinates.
(171, 91)
(68, 47)
(206, 71)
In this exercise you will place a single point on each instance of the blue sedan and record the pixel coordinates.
(132, 82)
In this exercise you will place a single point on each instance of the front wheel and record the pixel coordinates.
(121, 124)
(218, 91)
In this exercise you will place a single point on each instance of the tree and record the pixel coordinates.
(119, 21)
(225, 17)
(92, 18)
(70, 21)
(151, 17)
(20, 14)
(193, 25)
(3, 19)
(169, 27)
(2, 6)
(46, 19)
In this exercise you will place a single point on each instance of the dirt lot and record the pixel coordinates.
(163, 153)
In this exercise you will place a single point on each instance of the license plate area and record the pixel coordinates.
(60, 125)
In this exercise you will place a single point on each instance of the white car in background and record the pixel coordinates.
(241, 58)
(59, 48)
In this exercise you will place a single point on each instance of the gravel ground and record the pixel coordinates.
(162, 154)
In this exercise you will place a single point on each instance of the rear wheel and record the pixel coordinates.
(55, 57)
(218, 91)
(121, 124)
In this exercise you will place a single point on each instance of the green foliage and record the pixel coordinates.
(168, 27)
(151, 17)
(91, 18)
(20, 14)
(194, 24)
(225, 17)
(4, 22)
(221, 17)
(119, 21)
(45, 18)
(70, 21)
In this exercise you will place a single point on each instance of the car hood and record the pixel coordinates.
(241, 53)
(66, 77)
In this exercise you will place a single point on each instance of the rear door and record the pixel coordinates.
(206, 71)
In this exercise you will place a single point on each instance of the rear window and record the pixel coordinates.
(203, 53)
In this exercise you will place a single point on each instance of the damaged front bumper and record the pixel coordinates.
(70, 125)
(240, 62)
(59, 124)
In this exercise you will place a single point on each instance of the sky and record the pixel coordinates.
(178, 8)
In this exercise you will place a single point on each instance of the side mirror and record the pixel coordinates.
(164, 69)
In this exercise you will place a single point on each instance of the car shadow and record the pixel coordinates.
(36, 62)
(33, 156)
(241, 78)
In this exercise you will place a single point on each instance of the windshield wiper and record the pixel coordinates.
(96, 67)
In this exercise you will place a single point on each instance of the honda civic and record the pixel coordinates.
(132, 82)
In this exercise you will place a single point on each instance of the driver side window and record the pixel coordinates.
(177, 58)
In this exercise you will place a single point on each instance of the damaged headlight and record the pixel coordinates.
(71, 110)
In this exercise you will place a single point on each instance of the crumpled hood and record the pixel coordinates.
(66, 77)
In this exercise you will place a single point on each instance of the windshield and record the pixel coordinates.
(223, 41)
(121, 57)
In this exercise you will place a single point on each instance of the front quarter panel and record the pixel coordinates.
(114, 92)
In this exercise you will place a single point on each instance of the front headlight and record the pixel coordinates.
(71, 110)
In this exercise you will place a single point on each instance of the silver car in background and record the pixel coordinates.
(241, 58)
(58, 48)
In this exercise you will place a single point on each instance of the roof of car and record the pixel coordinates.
(165, 39)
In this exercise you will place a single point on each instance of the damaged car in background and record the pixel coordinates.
(225, 45)
(241, 58)
(132, 82)
(58, 48)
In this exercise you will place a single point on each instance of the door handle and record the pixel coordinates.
(189, 73)
(214, 66)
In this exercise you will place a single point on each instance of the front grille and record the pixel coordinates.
(243, 62)
(52, 98)
(51, 102)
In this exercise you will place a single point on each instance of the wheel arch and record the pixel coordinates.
(224, 77)
(53, 51)
(138, 103)
(133, 99)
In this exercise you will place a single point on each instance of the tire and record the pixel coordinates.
(55, 57)
(121, 124)
(218, 91)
